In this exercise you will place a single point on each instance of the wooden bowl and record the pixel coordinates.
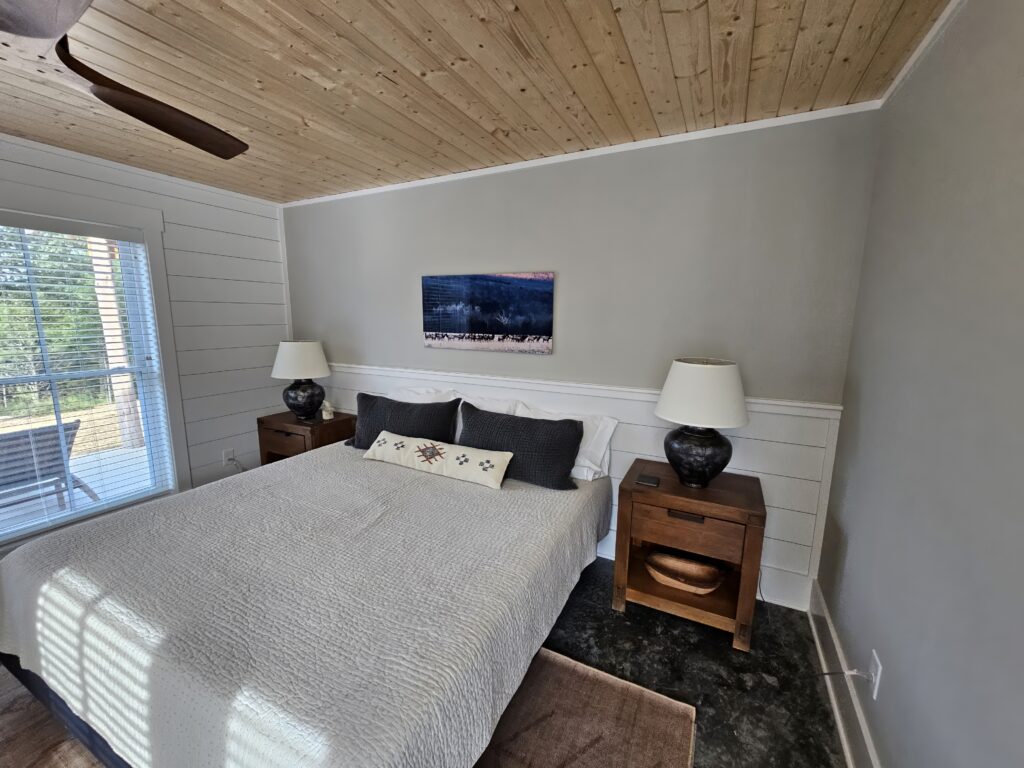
(682, 573)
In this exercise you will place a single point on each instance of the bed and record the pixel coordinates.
(322, 611)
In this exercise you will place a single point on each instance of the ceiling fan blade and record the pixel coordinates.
(170, 120)
(159, 115)
(40, 18)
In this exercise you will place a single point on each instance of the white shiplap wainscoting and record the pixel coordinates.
(789, 445)
(225, 279)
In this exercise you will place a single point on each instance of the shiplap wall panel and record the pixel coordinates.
(214, 471)
(790, 525)
(221, 427)
(186, 263)
(799, 430)
(213, 360)
(228, 336)
(787, 492)
(226, 282)
(180, 202)
(215, 289)
(220, 382)
(786, 556)
(789, 446)
(768, 456)
(207, 456)
(180, 237)
(213, 406)
(217, 313)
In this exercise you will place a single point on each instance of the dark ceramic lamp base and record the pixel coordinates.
(304, 398)
(697, 454)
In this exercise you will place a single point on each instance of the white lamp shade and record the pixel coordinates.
(703, 392)
(300, 360)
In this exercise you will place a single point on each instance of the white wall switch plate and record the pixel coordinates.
(875, 673)
(226, 455)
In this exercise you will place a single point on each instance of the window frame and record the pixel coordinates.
(45, 209)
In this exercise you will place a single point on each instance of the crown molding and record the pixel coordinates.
(676, 138)
(937, 30)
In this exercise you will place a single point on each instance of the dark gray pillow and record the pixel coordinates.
(431, 421)
(543, 451)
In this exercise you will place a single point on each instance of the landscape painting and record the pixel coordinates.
(503, 312)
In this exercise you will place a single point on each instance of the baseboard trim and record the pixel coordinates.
(858, 746)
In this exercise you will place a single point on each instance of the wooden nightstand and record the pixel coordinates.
(283, 434)
(724, 521)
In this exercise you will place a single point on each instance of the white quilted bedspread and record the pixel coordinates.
(321, 611)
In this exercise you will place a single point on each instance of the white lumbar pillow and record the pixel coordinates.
(593, 460)
(457, 461)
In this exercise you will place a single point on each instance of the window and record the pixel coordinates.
(83, 417)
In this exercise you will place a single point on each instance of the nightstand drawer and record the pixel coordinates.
(281, 443)
(283, 435)
(690, 532)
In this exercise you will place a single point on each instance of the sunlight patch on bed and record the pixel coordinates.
(262, 735)
(96, 654)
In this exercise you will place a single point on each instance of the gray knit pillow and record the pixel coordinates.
(543, 451)
(431, 421)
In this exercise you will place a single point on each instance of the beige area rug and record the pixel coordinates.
(564, 715)
(567, 715)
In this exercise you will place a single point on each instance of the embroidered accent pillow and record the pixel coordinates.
(457, 461)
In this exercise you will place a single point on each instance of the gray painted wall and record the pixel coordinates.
(924, 554)
(745, 246)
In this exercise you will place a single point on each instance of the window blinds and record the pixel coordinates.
(83, 417)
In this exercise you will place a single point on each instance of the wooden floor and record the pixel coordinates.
(29, 735)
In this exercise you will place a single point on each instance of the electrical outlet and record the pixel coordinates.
(226, 456)
(875, 674)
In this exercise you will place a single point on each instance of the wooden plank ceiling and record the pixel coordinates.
(338, 95)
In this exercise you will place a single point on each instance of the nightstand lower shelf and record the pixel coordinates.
(717, 609)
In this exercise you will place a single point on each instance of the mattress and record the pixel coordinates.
(320, 611)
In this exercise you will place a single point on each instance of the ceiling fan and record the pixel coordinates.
(51, 19)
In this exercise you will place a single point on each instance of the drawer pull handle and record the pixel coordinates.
(699, 519)
(282, 432)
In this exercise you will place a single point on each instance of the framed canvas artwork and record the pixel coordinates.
(501, 312)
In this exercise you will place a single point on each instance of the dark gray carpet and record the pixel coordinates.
(764, 709)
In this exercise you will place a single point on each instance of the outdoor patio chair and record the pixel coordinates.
(32, 458)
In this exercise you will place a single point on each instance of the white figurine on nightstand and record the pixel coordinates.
(327, 410)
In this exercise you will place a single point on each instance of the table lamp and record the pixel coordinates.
(301, 361)
(703, 395)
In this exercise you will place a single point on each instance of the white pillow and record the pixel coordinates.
(474, 465)
(422, 395)
(594, 457)
(491, 404)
